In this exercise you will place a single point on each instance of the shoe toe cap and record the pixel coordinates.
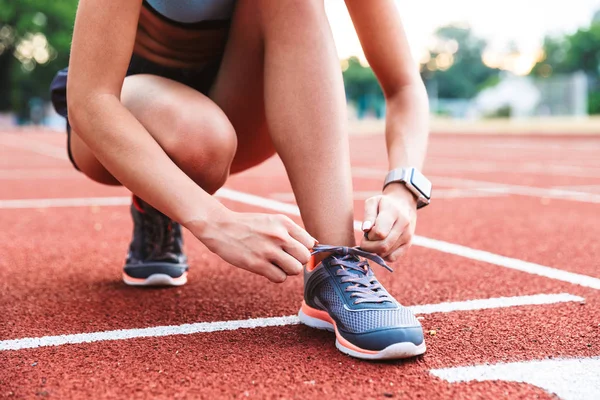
(380, 339)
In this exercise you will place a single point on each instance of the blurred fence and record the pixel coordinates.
(522, 96)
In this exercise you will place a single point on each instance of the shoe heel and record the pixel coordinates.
(314, 322)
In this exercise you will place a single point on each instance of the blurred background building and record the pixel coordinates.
(479, 60)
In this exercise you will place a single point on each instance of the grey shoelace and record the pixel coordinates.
(366, 288)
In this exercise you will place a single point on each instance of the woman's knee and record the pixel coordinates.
(191, 128)
(202, 143)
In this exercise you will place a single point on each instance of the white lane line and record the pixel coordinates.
(157, 331)
(439, 194)
(64, 202)
(591, 145)
(494, 187)
(291, 209)
(498, 302)
(541, 169)
(38, 173)
(507, 262)
(581, 188)
(568, 378)
(205, 327)
(19, 142)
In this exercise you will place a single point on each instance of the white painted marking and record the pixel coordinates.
(258, 201)
(581, 188)
(499, 302)
(494, 187)
(532, 168)
(507, 262)
(47, 173)
(439, 194)
(520, 190)
(157, 331)
(64, 202)
(204, 327)
(590, 145)
(19, 142)
(569, 379)
(250, 199)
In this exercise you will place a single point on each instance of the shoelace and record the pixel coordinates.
(159, 234)
(366, 288)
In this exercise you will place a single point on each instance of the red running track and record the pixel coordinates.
(60, 274)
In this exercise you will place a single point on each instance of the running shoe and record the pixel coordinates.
(342, 294)
(155, 255)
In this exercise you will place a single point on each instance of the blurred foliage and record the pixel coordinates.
(35, 36)
(362, 88)
(359, 80)
(452, 69)
(502, 112)
(579, 51)
(454, 66)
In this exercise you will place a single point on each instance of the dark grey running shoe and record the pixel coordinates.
(156, 252)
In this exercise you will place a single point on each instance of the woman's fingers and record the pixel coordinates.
(298, 233)
(371, 207)
(288, 263)
(272, 272)
(399, 252)
(390, 243)
(384, 221)
(392, 229)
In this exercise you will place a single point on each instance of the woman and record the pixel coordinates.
(170, 97)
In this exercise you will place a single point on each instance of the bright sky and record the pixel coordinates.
(524, 22)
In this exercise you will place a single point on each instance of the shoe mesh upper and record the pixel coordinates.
(361, 320)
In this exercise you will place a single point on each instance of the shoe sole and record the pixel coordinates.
(321, 320)
(156, 280)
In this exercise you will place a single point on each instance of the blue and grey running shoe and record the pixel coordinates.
(155, 255)
(341, 294)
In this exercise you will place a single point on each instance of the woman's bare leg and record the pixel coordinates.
(289, 45)
(189, 127)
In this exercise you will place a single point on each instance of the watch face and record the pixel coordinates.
(422, 184)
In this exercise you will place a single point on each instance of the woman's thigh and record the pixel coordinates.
(239, 88)
(190, 127)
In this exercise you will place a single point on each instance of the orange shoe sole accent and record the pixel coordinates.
(310, 265)
(324, 316)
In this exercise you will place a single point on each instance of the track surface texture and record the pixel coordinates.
(504, 275)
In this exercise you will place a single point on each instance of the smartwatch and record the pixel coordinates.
(414, 181)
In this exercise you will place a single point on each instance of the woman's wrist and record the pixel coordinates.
(400, 191)
(201, 225)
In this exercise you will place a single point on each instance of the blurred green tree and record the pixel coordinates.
(579, 51)
(35, 36)
(454, 66)
(362, 87)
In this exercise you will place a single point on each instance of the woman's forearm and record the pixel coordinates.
(407, 126)
(129, 152)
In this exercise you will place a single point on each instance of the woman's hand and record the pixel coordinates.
(389, 222)
(270, 245)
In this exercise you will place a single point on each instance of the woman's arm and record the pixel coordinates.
(390, 219)
(102, 45)
(270, 245)
(382, 36)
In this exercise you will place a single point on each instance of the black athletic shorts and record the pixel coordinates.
(200, 79)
